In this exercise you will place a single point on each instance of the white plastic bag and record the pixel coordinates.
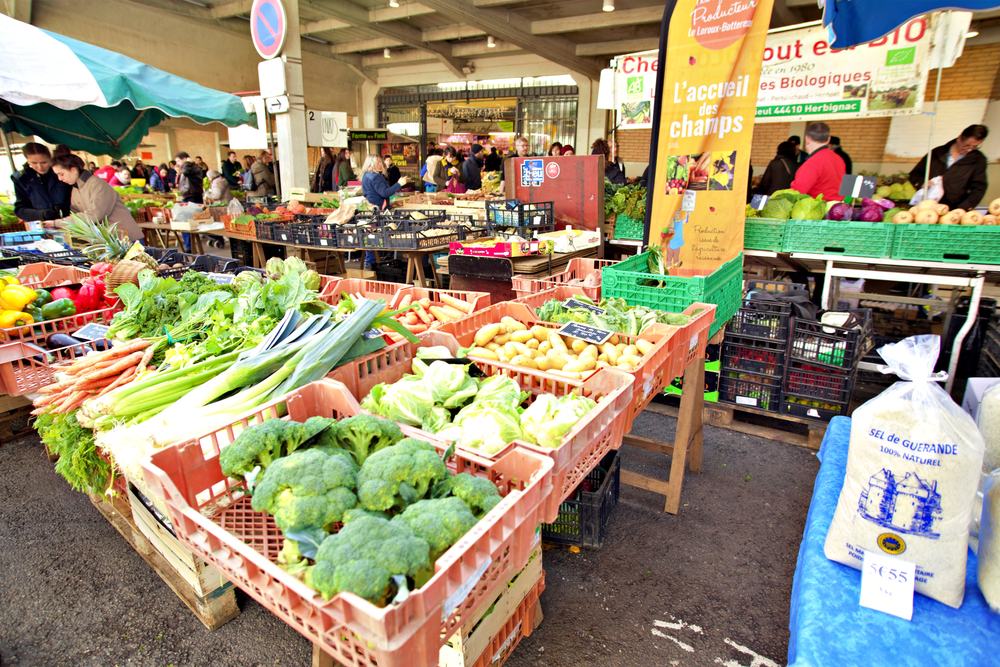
(235, 207)
(912, 471)
(184, 211)
(988, 573)
(933, 189)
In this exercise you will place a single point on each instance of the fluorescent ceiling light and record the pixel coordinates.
(394, 3)
(971, 34)
(609, 5)
(386, 53)
(490, 42)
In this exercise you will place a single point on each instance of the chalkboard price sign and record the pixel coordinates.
(573, 303)
(584, 332)
(92, 332)
(371, 333)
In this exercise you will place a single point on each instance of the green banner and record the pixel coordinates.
(847, 106)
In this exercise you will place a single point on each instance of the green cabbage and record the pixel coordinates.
(487, 426)
(449, 384)
(406, 401)
(436, 420)
(777, 209)
(501, 389)
(809, 209)
(549, 419)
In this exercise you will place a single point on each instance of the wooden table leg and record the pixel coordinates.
(409, 269)
(321, 658)
(196, 244)
(419, 264)
(259, 260)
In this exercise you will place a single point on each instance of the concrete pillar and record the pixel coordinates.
(290, 128)
(590, 121)
(369, 104)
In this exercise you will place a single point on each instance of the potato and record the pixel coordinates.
(603, 364)
(533, 343)
(557, 359)
(557, 343)
(575, 367)
(971, 218)
(178, 265)
(588, 361)
(611, 352)
(926, 216)
(522, 336)
(523, 361)
(544, 347)
(503, 329)
(942, 209)
(989, 220)
(502, 339)
(486, 334)
(629, 360)
(512, 349)
(492, 347)
(602, 358)
(614, 340)
(501, 356)
(532, 354)
(951, 218)
(512, 324)
(541, 333)
(164, 266)
(630, 351)
(483, 353)
(543, 363)
(620, 347)
(645, 347)
(591, 350)
(578, 345)
(625, 367)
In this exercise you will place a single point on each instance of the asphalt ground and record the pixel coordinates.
(708, 586)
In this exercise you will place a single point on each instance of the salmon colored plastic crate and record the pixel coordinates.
(164, 213)
(579, 268)
(520, 625)
(494, 313)
(38, 332)
(582, 448)
(24, 368)
(370, 289)
(211, 514)
(478, 300)
(43, 275)
(240, 230)
(522, 285)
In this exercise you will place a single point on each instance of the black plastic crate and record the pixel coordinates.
(319, 234)
(393, 271)
(761, 319)
(817, 383)
(178, 257)
(831, 346)
(418, 238)
(274, 230)
(515, 213)
(772, 286)
(364, 236)
(242, 251)
(263, 200)
(584, 516)
(749, 355)
(66, 258)
(747, 389)
(810, 410)
(215, 264)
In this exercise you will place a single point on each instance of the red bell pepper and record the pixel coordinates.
(100, 268)
(88, 298)
(63, 293)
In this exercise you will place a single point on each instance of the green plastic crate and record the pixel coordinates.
(764, 234)
(962, 244)
(851, 238)
(627, 228)
(724, 288)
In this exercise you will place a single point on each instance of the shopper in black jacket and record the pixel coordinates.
(39, 194)
(780, 171)
(472, 168)
(611, 170)
(963, 167)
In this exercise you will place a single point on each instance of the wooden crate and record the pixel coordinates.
(467, 645)
(202, 577)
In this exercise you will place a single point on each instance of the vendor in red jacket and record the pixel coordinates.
(823, 170)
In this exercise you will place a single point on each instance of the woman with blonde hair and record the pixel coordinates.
(263, 177)
(377, 191)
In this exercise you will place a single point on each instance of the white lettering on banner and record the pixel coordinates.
(802, 79)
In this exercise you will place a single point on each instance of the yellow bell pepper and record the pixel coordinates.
(16, 297)
(13, 318)
(9, 280)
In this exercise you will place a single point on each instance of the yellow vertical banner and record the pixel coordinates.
(709, 73)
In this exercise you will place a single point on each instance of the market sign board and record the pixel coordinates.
(702, 132)
(803, 79)
(368, 135)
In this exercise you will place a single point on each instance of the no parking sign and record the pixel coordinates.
(268, 26)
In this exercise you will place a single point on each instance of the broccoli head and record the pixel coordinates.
(308, 489)
(263, 444)
(400, 475)
(363, 435)
(363, 557)
(479, 494)
(440, 522)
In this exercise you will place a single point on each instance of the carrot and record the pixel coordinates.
(440, 314)
(74, 398)
(114, 353)
(455, 303)
(415, 328)
(426, 303)
(454, 313)
(42, 401)
(122, 379)
(146, 358)
(59, 387)
(422, 314)
(92, 385)
(406, 301)
(117, 368)
(434, 325)
(410, 318)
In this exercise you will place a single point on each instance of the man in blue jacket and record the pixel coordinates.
(473, 167)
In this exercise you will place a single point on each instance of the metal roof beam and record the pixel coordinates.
(597, 21)
(618, 48)
(231, 9)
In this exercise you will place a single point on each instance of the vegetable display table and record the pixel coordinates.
(161, 233)
(829, 627)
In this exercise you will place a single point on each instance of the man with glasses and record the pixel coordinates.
(963, 167)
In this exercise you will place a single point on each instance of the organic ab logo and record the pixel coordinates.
(635, 86)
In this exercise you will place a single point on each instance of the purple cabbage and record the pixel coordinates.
(840, 211)
(872, 214)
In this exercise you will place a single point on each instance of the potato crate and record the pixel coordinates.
(212, 516)
(851, 238)
(764, 234)
(831, 346)
(584, 516)
(420, 237)
(579, 268)
(969, 244)
(630, 280)
(750, 390)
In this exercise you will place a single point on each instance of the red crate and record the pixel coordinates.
(521, 624)
(37, 333)
(478, 300)
(211, 515)
(164, 213)
(581, 267)
(370, 289)
(25, 368)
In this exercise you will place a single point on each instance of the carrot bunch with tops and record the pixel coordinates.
(94, 375)
(427, 314)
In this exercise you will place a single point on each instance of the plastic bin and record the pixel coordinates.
(211, 515)
(477, 300)
(242, 251)
(961, 244)
(363, 236)
(628, 228)
(763, 320)
(584, 516)
(764, 234)
(178, 257)
(242, 230)
(831, 346)
(370, 289)
(214, 264)
(43, 275)
(851, 238)
(749, 390)
(393, 271)
(628, 280)
(25, 368)
(578, 268)
(513, 213)
(278, 231)
(416, 237)
(38, 332)
(749, 355)
(818, 389)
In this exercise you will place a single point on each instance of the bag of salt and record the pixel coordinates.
(912, 471)
(988, 573)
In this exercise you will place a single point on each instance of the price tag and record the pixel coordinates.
(758, 202)
(222, 278)
(887, 584)
(584, 332)
(371, 333)
(687, 201)
(858, 186)
(506, 643)
(92, 332)
(324, 242)
(573, 303)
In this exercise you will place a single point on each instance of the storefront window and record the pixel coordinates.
(550, 119)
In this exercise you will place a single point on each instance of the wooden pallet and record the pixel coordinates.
(213, 610)
(10, 408)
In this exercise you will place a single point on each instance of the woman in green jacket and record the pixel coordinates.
(342, 168)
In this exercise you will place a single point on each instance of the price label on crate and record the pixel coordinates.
(514, 634)
(585, 333)
(758, 202)
(458, 597)
(92, 332)
(222, 278)
(371, 333)
(324, 242)
(573, 303)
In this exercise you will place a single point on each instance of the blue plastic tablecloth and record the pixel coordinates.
(830, 629)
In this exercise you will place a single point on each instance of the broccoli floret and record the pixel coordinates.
(440, 522)
(263, 444)
(479, 494)
(363, 557)
(307, 489)
(363, 435)
(358, 512)
(399, 476)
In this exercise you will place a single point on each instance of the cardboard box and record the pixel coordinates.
(303, 196)
(186, 226)
(360, 274)
(573, 240)
(501, 249)
(467, 645)
(974, 390)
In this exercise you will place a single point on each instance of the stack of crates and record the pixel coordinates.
(822, 366)
(755, 349)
